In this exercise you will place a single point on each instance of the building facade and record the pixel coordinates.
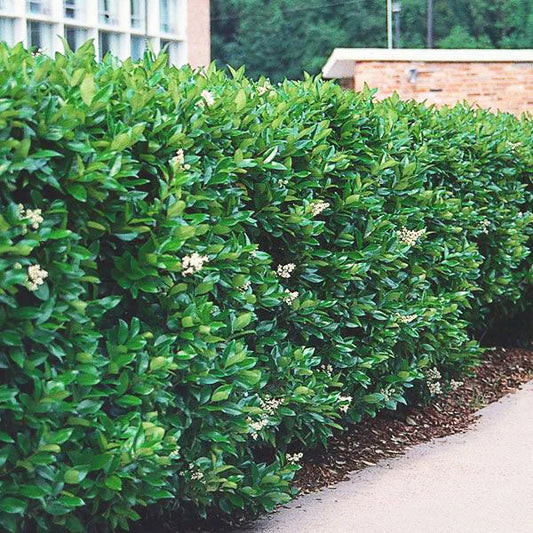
(122, 27)
(494, 79)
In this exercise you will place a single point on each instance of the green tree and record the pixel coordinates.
(284, 38)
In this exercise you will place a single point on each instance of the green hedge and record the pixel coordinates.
(202, 277)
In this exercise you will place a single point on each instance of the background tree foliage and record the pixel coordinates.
(282, 38)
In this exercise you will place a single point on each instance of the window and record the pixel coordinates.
(70, 9)
(109, 42)
(168, 15)
(138, 46)
(75, 36)
(108, 13)
(173, 50)
(7, 30)
(39, 7)
(40, 35)
(137, 13)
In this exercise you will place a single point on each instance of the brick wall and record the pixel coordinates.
(503, 86)
(198, 33)
(495, 79)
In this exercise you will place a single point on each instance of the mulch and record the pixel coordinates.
(364, 444)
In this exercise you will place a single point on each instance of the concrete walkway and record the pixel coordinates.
(480, 481)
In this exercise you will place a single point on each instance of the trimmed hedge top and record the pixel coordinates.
(201, 276)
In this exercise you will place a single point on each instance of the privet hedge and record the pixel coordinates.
(201, 277)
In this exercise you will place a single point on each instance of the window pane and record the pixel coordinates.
(75, 36)
(70, 9)
(37, 6)
(168, 15)
(137, 13)
(109, 42)
(7, 30)
(108, 12)
(40, 35)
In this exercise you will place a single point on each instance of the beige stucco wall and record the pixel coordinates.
(198, 33)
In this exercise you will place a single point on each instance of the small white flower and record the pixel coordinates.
(269, 404)
(290, 296)
(348, 399)
(318, 207)
(193, 263)
(34, 216)
(433, 374)
(410, 237)
(245, 286)
(175, 453)
(328, 369)
(405, 319)
(294, 458)
(208, 97)
(179, 158)
(263, 89)
(36, 277)
(455, 384)
(434, 388)
(284, 271)
(17, 266)
(485, 225)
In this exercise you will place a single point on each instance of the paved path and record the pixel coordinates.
(480, 481)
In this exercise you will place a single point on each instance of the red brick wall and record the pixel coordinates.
(198, 33)
(507, 86)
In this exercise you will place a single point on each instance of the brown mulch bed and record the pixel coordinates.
(503, 371)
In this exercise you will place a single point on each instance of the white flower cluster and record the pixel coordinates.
(179, 160)
(433, 376)
(285, 271)
(328, 369)
(36, 277)
(256, 425)
(387, 394)
(269, 404)
(485, 225)
(193, 263)
(263, 89)
(348, 399)
(290, 296)
(294, 458)
(175, 453)
(410, 236)
(34, 216)
(208, 97)
(405, 319)
(282, 182)
(196, 474)
(456, 384)
(318, 207)
(245, 286)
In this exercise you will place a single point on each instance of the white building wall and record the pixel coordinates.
(122, 26)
